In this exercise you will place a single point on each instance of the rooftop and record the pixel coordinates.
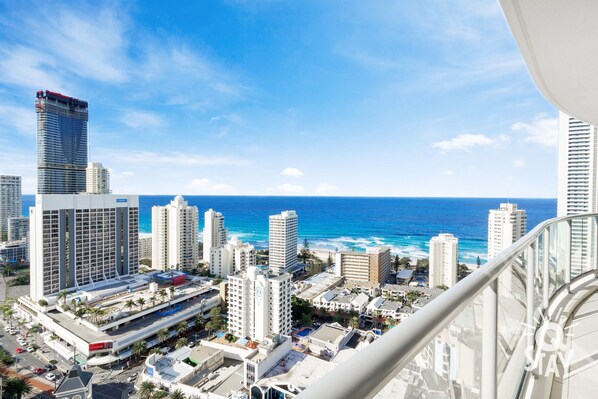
(297, 369)
(332, 333)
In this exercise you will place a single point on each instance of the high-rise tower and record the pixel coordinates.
(283, 242)
(214, 232)
(443, 260)
(97, 179)
(10, 202)
(61, 143)
(505, 226)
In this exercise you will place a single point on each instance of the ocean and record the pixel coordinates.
(345, 223)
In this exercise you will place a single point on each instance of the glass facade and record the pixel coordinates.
(61, 143)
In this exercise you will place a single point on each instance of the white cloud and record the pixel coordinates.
(170, 158)
(463, 142)
(447, 172)
(127, 174)
(292, 172)
(142, 119)
(287, 189)
(205, 186)
(19, 119)
(326, 189)
(542, 130)
(518, 164)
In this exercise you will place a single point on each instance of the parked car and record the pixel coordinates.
(13, 332)
(7, 328)
(191, 344)
(132, 377)
(38, 371)
(50, 367)
(30, 349)
(19, 350)
(50, 377)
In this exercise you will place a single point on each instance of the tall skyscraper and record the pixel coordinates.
(11, 203)
(97, 179)
(259, 304)
(231, 258)
(372, 266)
(61, 143)
(283, 242)
(443, 260)
(174, 235)
(214, 232)
(81, 239)
(578, 185)
(506, 225)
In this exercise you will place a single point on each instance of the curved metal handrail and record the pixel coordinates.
(367, 372)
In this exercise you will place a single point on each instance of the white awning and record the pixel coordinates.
(63, 351)
(101, 360)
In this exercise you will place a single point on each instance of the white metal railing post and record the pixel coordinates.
(593, 262)
(490, 340)
(545, 267)
(567, 252)
(530, 263)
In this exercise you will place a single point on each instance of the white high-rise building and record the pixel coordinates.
(232, 258)
(578, 184)
(174, 235)
(214, 232)
(443, 260)
(97, 179)
(259, 304)
(10, 202)
(18, 228)
(81, 239)
(506, 225)
(283, 242)
(145, 246)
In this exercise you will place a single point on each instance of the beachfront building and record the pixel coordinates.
(14, 251)
(18, 228)
(283, 242)
(81, 239)
(61, 143)
(97, 179)
(259, 304)
(174, 235)
(232, 258)
(214, 232)
(11, 204)
(372, 266)
(506, 225)
(443, 260)
(578, 185)
(145, 246)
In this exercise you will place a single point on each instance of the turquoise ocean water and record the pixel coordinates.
(405, 224)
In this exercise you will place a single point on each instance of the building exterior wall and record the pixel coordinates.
(145, 247)
(283, 242)
(11, 203)
(506, 225)
(372, 266)
(97, 179)
(443, 260)
(214, 233)
(61, 143)
(18, 228)
(81, 239)
(232, 258)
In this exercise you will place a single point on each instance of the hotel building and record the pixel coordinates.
(232, 258)
(259, 304)
(18, 228)
(81, 239)
(372, 266)
(174, 235)
(283, 242)
(214, 232)
(506, 225)
(61, 143)
(443, 260)
(11, 204)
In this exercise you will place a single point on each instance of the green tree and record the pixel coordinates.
(301, 309)
(171, 289)
(177, 394)
(140, 302)
(162, 335)
(147, 389)
(305, 254)
(200, 322)
(139, 348)
(130, 304)
(354, 322)
(182, 327)
(162, 294)
(17, 388)
(181, 342)
(62, 297)
(396, 263)
(479, 261)
(42, 302)
(160, 395)
(405, 262)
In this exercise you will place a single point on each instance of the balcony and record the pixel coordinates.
(525, 325)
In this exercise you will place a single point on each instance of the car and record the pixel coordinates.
(13, 332)
(132, 377)
(50, 367)
(30, 349)
(50, 377)
(7, 328)
(19, 350)
(191, 344)
(164, 350)
(38, 370)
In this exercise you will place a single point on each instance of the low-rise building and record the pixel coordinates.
(329, 339)
(11, 251)
(339, 299)
(76, 385)
(268, 354)
(18, 228)
(385, 307)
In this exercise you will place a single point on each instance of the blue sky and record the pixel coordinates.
(409, 98)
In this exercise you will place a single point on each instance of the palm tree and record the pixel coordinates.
(62, 296)
(17, 387)
(141, 302)
(354, 322)
(182, 327)
(162, 335)
(139, 347)
(171, 289)
(147, 389)
(181, 342)
(162, 294)
(200, 322)
(177, 394)
(153, 300)
(130, 304)
(159, 395)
